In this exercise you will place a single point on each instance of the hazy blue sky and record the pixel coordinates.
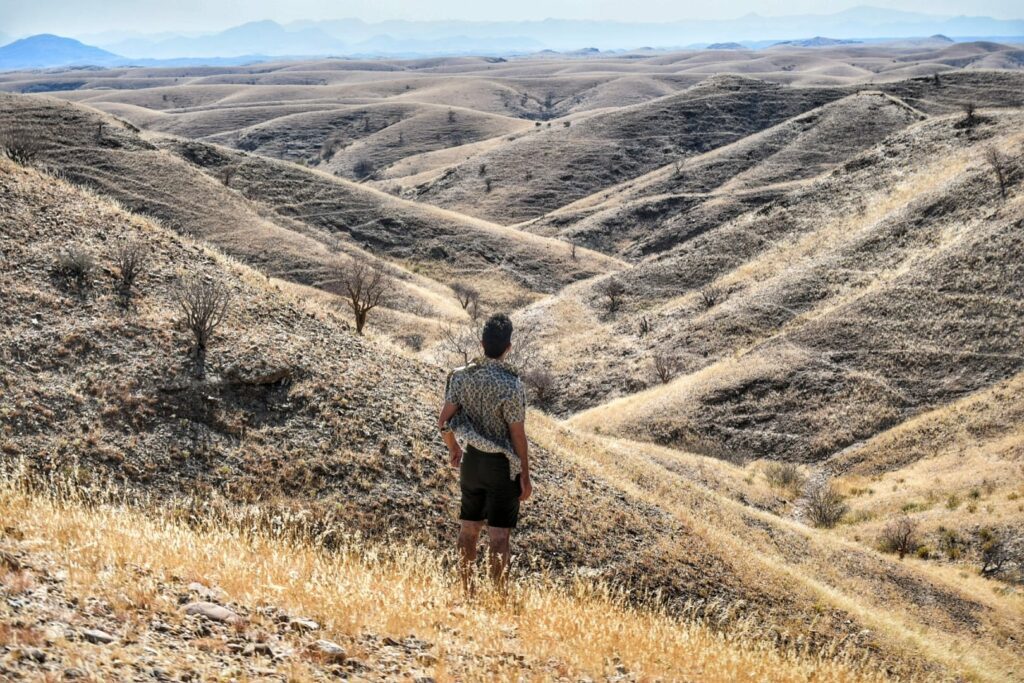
(20, 17)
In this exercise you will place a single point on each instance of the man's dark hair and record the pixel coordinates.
(497, 335)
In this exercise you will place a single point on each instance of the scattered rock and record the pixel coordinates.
(9, 561)
(212, 612)
(35, 654)
(258, 649)
(207, 593)
(328, 651)
(98, 637)
(302, 624)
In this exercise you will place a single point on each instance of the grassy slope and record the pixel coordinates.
(568, 163)
(815, 315)
(103, 394)
(658, 210)
(395, 610)
(330, 216)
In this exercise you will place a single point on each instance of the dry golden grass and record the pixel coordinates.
(574, 630)
(812, 566)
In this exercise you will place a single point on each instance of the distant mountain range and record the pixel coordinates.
(50, 50)
(355, 38)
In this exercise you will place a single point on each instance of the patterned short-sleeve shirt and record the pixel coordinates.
(490, 396)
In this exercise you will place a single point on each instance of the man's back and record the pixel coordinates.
(490, 396)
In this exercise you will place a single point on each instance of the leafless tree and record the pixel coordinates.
(541, 384)
(900, 536)
(460, 343)
(666, 367)
(204, 304)
(825, 506)
(130, 259)
(20, 146)
(465, 293)
(572, 249)
(997, 161)
(364, 287)
(613, 291)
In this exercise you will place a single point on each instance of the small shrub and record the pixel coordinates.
(488, 185)
(130, 260)
(363, 169)
(900, 536)
(783, 475)
(997, 162)
(666, 367)
(204, 304)
(413, 340)
(709, 296)
(541, 384)
(644, 329)
(924, 552)
(950, 543)
(482, 170)
(953, 502)
(825, 506)
(77, 265)
(613, 291)
(969, 109)
(20, 146)
(227, 174)
(995, 552)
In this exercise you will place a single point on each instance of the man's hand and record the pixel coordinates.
(455, 453)
(526, 487)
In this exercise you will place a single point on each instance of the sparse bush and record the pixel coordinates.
(644, 328)
(900, 536)
(363, 169)
(130, 260)
(969, 109)
(413, 340)
(460, 343)
(950, 543)
(364, 287)
(465, 293)
(709, 296)
(76, 265)
(784, 475)
(997, 162)
(488, 185)
(227, 174)
(204, 303)
(825, 506)
(566, 123)
(613, 291)
(482, 170)
(666, 367)
(20, 146)
(572, 249)
(995, 552)
(451, 116)
(541, 385)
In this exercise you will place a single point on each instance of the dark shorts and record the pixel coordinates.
(487, 491)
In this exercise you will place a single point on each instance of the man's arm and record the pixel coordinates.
(454, 450)
(517, 430)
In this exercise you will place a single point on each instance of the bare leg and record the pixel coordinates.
(499, 555)
(469, 534)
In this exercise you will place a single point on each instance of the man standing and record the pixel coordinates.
(485, 408)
